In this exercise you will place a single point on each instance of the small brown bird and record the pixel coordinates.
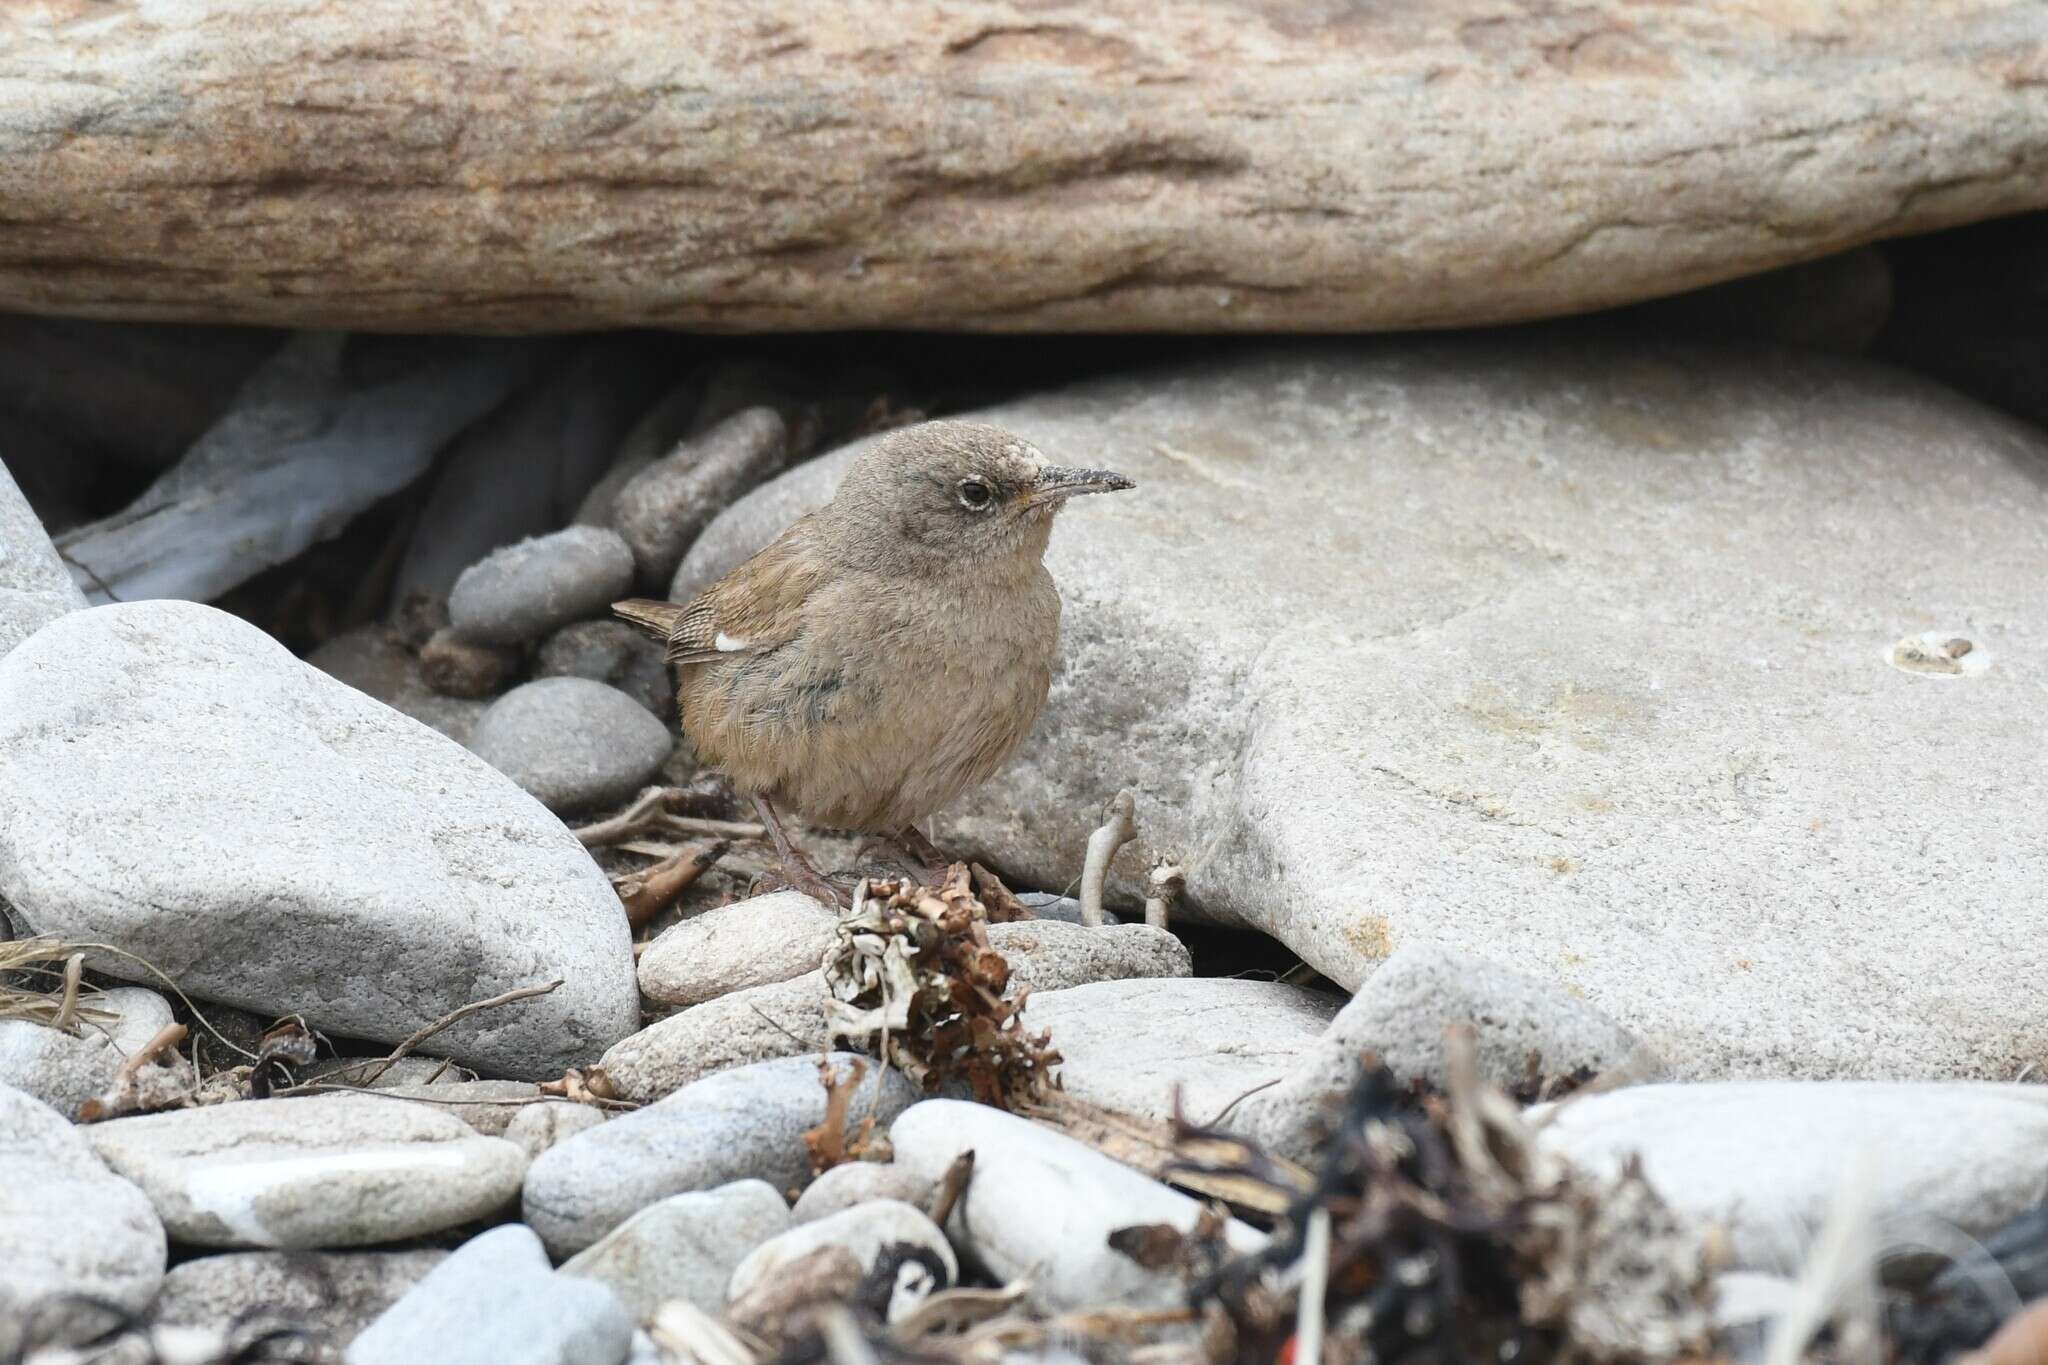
(887, 652)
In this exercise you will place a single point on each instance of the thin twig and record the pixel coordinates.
(952, 1185)
(1118, 828)
(648, 892)
(524, 1101)
(473, 1007)
(1168, 881)
(67, 1008)
(650, 811)
(1224, 1113)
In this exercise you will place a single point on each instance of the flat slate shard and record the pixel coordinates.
(1571, 650)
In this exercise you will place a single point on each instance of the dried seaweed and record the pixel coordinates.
(1450, 1236)
(912, 976)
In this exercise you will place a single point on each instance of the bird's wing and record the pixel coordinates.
(758, 606)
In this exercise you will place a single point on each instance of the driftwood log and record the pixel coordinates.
(997, 164)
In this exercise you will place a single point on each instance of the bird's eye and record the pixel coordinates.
(975, 495)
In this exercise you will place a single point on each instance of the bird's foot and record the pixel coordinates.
(921, 854)
(798, 872)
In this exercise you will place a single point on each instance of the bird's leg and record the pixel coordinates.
(923, 853)
(801, 874)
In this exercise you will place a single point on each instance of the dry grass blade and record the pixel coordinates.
(59, 1008)
(372, 1073)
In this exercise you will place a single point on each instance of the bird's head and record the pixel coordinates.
(958, 493)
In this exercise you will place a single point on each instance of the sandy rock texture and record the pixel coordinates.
(1006, 165)
(1580, 653)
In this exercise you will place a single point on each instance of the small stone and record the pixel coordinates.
(859, 1182)
(331, 1294)
(375, 661)
(664, 507)
(1766, 1159)
(865, 1231)
(1400, 1015)
(455, 667)
(495, 1302)
(70, 1231)
(658, 429)
(275, 840)
(571, 742)
(486, 1106)
(684, 1247)
(324, 1171)
(787, 1018)
(64, 1070)
(520, 593)
(753, 942)
(743, 1124)
(536, 1127)
(1131, 1045)
(1041, 1206)
(611, 652)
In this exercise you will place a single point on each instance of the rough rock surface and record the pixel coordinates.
(787, 1018)
(321, 1171)
(334, 1294)
(35, 587)
(1399, 1016)
(536, 1127)
(1128, 1044)
(1010, 166)
(572, 742)
(1767, 1159)
(375, 662)
(518, 593)
(64, 1070)
(175, 783)
(496, 1302)
(685, 1247)
(68, 1226)
(1042, 1206)
(665, 506)
(754, 942)
(743, 1124)
(1567, 649)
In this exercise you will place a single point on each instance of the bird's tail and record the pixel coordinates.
(656, 618)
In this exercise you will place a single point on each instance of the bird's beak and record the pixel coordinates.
(1057, 483)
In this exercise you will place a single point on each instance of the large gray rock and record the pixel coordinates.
(1041, 1206)
(1767, 1159)
(321, 1171)
(754, 942)
(518, 593)
(1571, 651)
(495, 1302)
(787, 1018)
(64, 1070)
(743, 1124)
(1522, 1030)
(70, 1230)
(572, 742)
(1128, 1045)
(684, 1247)
(174, 783)
(1117, 166)
(35, 587)
(332, 1294)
